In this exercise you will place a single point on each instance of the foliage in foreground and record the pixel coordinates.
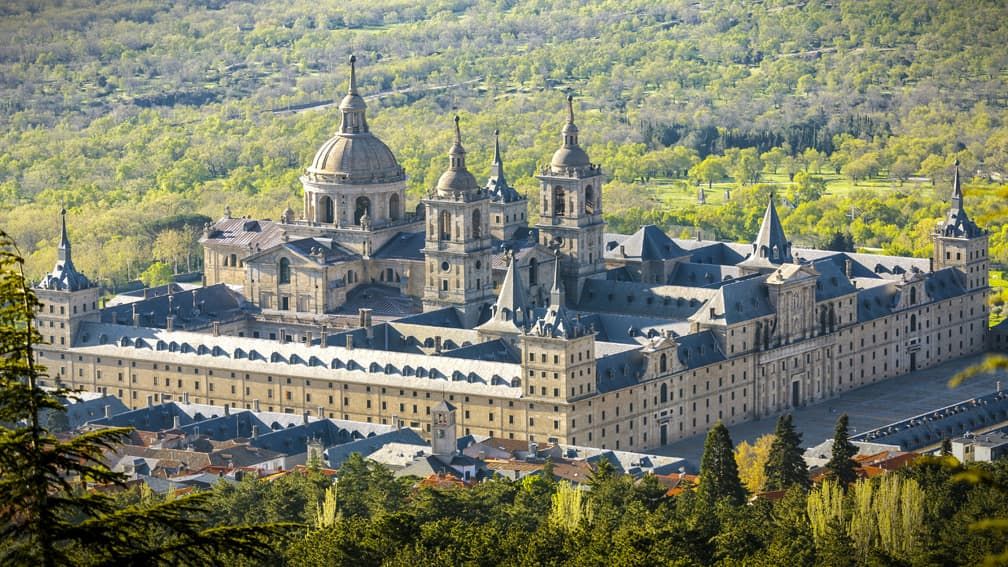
(47, 514)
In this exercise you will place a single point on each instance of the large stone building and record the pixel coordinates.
(361, 310)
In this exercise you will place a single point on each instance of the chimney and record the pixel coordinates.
(325, 336)
(146, 293)
(309, 338)
(437, 344)
(227, 409)
(150, 401)
(282, 335)
(849, 268)
(185, 397)
(136, 316)
(108, 411)
(304, 417)
(622, 250)
(216, 328)
(255, 404)
(170, 323)
(349, 341)
(997, 386)
(175, 422)
(365, 322)
(931, 264)
(255, 430)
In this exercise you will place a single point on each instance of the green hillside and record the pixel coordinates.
(146, 119)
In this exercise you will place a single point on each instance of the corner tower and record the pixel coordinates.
(67, 297)
(960, 243)
(570, 213)
(457, 246)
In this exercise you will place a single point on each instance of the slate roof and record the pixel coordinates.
(943, 284)
(193, 308)
(876, 301)
(671, 302)
(403, 246)
(248, 234)
(336, 456)
(619, 370)
(323, 251)
(511, 312)
(737, 301)
(647, 244)
(699, 349)
(703, 275)
(947, 422)
(771, 247)
(445, 317)
(496, 350)
(832, 282)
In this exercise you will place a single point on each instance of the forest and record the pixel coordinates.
(146, 119)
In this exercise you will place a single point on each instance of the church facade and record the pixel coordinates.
(357, 308)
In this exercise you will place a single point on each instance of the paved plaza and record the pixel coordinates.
(868, 407)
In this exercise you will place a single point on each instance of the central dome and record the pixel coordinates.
(354, 154)
(357, 158)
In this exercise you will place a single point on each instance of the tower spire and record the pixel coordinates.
(957, 195)
(570, 130)
(457, 153)
(353, 75)
(557, 291)
(352, 108)
(64, 245)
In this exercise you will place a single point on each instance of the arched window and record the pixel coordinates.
(533, 272)
(477, 228)
(913, 296)
(362, 207)
(326, 210)
(663, 364)
(776, 252)
(589, 205)
(663, 395)
(284, 271)
(913, 323)
(393, 207)
(559, 203)
(444, 226)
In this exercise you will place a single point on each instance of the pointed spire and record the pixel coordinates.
(64, 276)
(570, 109)
(353, 76)
(352, 108)
(957, 195)
(771, 244)
(957, 222)
(456, 156)
(497, 154)
(511, 312)
(557, 291)
(64, 246)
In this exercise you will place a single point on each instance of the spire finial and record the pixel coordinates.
(570, 109)
(353, 75)
(957, 194)
(458, 132)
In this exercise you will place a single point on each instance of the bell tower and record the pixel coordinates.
(443, 431)
(960, 243)
(457, 247)
(570, 209)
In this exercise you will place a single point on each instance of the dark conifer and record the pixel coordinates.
(719, 478)
(785, 465)
(841, 465)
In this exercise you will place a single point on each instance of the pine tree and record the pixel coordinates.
(47, 517)
(841, 465)
(719, 478)
(786, 466)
